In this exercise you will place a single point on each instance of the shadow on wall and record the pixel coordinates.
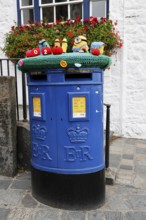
(23, 146)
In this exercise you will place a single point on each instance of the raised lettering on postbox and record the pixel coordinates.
(41, 151)
(82, 153)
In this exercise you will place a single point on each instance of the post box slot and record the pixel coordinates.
(78, 77)
(38, 77)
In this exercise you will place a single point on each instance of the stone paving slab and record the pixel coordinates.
(4, 184)
(4, 212)
(21, 214)
(125, 199)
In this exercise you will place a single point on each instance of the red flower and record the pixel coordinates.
(95, 20)
(86, 20)
(121, 44)
(103, 20)
(36, 24)
(68, 21)
(78, 18)
(50, 25)
(85, 28)
(58, 21)
(79, 31)
(91, 17)
(12, 28)
(27, 26)
(29, 22)
(69, 33)
(21, 28)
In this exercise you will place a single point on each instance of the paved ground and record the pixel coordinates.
(125, 200)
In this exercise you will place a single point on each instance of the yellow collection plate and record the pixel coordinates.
(79, 107)
(37, 106)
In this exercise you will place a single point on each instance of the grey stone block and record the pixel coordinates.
(96, 215)
(130, 141)
(128, 156)
(140, 142)
(115, 160)
(24, 176)
(137, 202)
(123, 190)
(135, 216)
(126, 167)
(105, 215)
(141, 150)
(72, 215)
(117, 202)
(50, 214)
(119, 142)
(21, 184)
(4, 213)
(113, 215)
(10, 197)
(4, 184)
(8, 162)
(140, 169)
(5, 177)
(21, 214)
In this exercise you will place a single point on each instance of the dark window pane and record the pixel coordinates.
(75, 10)
(48, 14)
(60, 1)
(28, 15)
(46, 1)
(61, 11)
(26, 2)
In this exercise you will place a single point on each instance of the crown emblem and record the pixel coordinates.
(77, 135)
(39, 132)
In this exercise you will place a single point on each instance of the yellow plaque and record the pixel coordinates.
(79, 107)
(37, 106)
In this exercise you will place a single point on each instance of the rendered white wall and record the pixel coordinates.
(125, 83)
(7, 17)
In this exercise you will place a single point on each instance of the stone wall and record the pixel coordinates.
(8, 158)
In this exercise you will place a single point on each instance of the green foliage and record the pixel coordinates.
(26, 37)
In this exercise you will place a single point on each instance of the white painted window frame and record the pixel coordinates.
(22, 8)
(54, 4)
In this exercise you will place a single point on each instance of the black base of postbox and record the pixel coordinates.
(73, 192)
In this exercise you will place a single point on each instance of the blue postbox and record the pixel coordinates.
(66, 125)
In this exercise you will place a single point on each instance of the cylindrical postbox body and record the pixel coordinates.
(66, 125)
